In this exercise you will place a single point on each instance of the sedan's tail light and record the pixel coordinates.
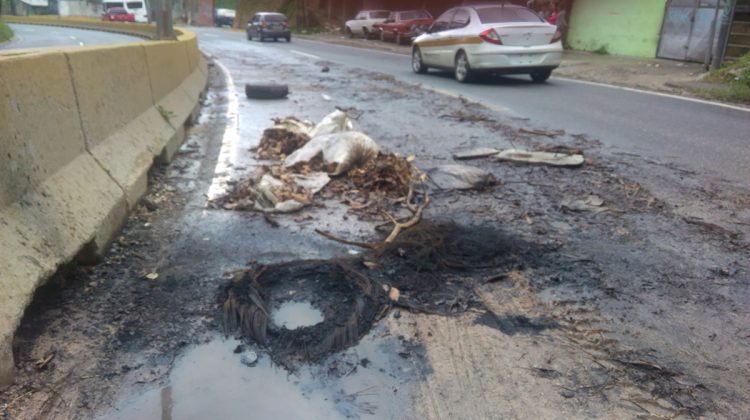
(285, 24)
(264, 24)
(491, 36)
(556, 37)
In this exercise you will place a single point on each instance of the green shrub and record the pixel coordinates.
(5, 32)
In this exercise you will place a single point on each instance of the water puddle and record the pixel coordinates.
(369, 380)
(292, 315)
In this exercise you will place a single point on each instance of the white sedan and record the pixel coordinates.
(489, 38)
(363, 22)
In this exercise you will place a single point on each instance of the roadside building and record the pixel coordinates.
(31, 7)
(685, 30)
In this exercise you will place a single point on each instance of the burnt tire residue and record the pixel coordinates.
(349, 301)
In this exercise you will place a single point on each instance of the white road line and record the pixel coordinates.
(227, 152)
(304, 54)
(653, 93)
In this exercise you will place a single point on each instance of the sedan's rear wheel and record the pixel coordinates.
(463, 71)
(416, 61)
(540, 76)
(366, 33)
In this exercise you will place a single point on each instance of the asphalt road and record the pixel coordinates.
(37, 36)
(711, 140)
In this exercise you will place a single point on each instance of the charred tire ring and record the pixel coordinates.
(350, 301)
(266, 91)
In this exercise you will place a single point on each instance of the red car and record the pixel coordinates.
(404, 26)
(118, 14)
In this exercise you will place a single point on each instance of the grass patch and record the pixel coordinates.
(732, 82)
(731, 92)
(5, 32)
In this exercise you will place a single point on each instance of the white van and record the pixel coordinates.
(137, 7)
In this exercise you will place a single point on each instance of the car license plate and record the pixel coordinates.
(525, 59)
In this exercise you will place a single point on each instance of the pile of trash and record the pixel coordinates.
(308, 157)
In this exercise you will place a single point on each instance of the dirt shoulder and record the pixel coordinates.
(660, 75)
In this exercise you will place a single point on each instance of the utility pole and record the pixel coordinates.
(164, 28)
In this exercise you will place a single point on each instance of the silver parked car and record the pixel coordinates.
(489, 38)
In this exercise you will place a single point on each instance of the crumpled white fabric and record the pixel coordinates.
(346, 149)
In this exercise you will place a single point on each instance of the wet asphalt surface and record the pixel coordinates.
(38, 36)
(711, 140)
(652, 291)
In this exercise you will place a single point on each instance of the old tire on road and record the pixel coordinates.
(266, 91)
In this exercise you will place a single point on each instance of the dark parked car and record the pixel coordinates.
(118, 14)
(266, 25)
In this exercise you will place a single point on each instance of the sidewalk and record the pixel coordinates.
(668, 76)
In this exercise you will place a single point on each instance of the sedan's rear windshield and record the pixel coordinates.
(274, 18)
(419, 14)
(379, 15)
(507, 15)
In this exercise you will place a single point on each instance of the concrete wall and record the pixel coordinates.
(617, 27)
(79, 130)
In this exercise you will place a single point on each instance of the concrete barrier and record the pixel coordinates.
(142, 30)
(79, 130)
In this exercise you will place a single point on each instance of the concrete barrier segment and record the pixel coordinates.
(168, 66)
(79, 131)
(40, 131)
(112, 86)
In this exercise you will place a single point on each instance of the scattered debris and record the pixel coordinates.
(592, 203)
(152, 276)
(325, 69)
(346, 150)
(462, 116)
(561, 149)
(398, 225)
(478, 153)
(287, 135)
(273, 189)
(249, 359)
(550, 134)
(544, 158)
(460, 177)
(388, 175)
(42, 364)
